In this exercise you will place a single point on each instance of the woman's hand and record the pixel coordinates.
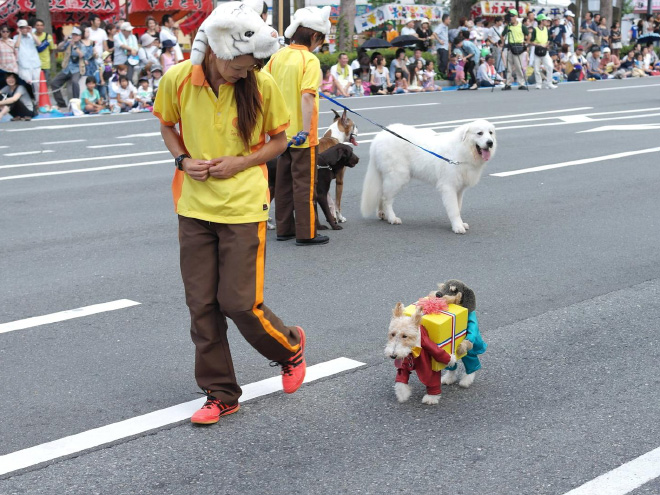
(196, 169)
(226, 167)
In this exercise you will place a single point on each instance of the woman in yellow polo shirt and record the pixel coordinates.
(231, 119)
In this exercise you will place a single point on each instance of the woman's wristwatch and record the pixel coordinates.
(178, 161)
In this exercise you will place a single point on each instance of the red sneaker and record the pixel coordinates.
(293, 370)
(212, 410)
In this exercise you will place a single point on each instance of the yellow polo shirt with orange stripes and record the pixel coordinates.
(208, 128)
(298, 71)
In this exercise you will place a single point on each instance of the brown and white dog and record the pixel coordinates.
(343, 130)
(329, 164)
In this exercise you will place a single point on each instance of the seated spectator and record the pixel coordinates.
(429, 77)
(328, 86)
(126, 96)
(409, 28)
(359, 89)
(417, 56)
(650, 58)
(455, 71)
(593, 65)
(641, 69)
(487, 76)
(144, 95)
(576, 68)
(156, 76)
(113, 85)
(90, 98)
(400, 84)
(627, 65)
(343, 75)
(15, 99)
(105, 73)
(380, 78)
(610, 63)
(400, 63)
(149, 53)
(416, 84)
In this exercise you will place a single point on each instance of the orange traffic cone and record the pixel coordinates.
(44, 97)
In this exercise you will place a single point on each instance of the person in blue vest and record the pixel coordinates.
(456, 292)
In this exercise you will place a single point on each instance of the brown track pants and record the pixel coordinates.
(222, 266)
(295, 192)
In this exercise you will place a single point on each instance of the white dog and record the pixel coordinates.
(393, 162)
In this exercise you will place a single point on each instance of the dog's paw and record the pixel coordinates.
(322, 227)
(402, 391)
(458, 228)
(341, 218)
(466, 226)
(466, 381)
(381, 214)
(463, 347)
(337, 227)
(449, 377)
(270, 226)
(394, 220)
(431, 400)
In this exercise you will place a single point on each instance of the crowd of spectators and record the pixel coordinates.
(534, 49)
(105, 67)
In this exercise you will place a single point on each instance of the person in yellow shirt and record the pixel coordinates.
(298, 73)
(44, 48)
(231, 119)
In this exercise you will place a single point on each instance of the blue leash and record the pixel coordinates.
(453, 162)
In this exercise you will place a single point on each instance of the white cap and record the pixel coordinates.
(317, 19)
(76, 30)
(607, 50)
(568, 13)
(126, 26)
(234, 29)
(22, 23)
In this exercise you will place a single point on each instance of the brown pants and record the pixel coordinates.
(222, 266)
(295, 192)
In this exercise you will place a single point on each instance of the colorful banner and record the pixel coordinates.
(642, 5)
(498, 8)
(169, 5)
(62, 11)
(396, 13)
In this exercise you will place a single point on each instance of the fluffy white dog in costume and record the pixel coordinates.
(234, 29)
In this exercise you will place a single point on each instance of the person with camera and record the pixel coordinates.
(541, 42)
(75, 56)
(514, 35)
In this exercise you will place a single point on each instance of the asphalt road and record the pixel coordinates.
(564, 262)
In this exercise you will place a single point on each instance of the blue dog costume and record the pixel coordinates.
(468, 300)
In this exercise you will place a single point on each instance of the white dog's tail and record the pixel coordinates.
(372, 189)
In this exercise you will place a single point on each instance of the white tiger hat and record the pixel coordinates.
(234, 29)
(314, 18)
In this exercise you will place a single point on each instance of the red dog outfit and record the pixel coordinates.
(421, 363)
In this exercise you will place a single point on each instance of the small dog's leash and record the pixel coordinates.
(453, 162)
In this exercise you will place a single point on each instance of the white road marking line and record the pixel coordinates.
(574, 119)
(624, 87)
(134, 426)
(83, 170)
(365, 142)
(66, 142)
(2, 147)
(626, 117)
(74, 160)
(22, 153)
(69, 126)
(66, 315)
(146, 134)
(576, 162)
(623, 127)
(394, 106)
(96, 146)
(625, 478)
(489, 118)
